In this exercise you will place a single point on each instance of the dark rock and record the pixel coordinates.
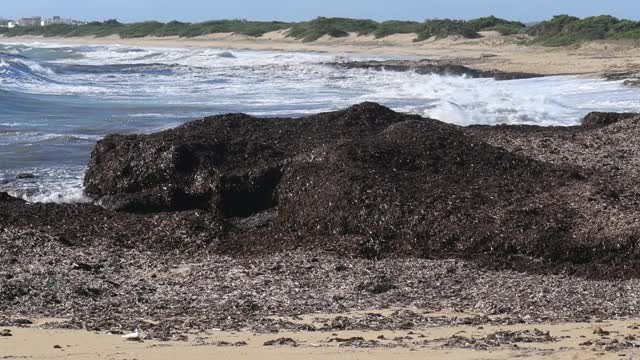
(630, 76)
(6, 333)
(433, 67)
(24, 176)
(632, 83)
(226, 54)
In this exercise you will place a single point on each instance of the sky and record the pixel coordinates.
(297, 10)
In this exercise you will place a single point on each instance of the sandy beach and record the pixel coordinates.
(491, 52)
(602, 340)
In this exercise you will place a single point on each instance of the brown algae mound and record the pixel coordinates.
(364, 181)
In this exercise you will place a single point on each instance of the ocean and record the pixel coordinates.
(56, 101)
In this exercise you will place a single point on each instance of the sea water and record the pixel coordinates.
(56, 101)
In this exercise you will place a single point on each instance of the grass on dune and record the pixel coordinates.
(560, 30)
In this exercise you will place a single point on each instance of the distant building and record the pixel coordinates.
(30, 21)
(38, 21)
(54, 20)
(59, 20)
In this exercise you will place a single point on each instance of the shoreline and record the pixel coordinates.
(491, 52)
(606, 340)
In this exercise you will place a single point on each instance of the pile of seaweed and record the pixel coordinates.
(367, 182)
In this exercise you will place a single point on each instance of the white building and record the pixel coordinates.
(53, 21)
(56, 20)
(29, 21)
(11, 24)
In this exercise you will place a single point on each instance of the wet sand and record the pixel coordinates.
(602, 340)
(491, 52)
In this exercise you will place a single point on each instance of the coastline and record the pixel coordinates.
(491, 52)
(606, 340)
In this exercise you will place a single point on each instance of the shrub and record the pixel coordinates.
(492, 23)
(445, 27)
(565, 30)
(336, 27)
(396, 27)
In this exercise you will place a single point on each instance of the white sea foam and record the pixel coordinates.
(272, 84)
(49, 185)
(73, 194)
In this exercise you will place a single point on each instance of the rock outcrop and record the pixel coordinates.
(365, 181)
(433, 67)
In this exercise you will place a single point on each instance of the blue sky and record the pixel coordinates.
(295, 10)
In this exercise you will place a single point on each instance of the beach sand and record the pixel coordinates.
(604, 340)
(491, 52)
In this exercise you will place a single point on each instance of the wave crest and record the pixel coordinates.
(20, 68)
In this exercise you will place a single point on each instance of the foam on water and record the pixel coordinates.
(50, 185)
(57, 100)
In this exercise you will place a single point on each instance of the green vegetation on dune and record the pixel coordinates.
(336, 27)
(151, 28)
(467, 29)
(565, 30)
(439, 28)
(559, 31)
(305, 31)
(98, 29)
(504, 27)
(447, 27)
(393, 27)
(243, 27)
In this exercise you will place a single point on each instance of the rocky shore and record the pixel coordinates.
(629, 75)
(438, 67)
(230, 220)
